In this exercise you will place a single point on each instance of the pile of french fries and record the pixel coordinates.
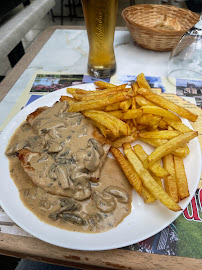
(125, 114)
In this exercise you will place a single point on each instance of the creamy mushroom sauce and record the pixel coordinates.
(63, 139)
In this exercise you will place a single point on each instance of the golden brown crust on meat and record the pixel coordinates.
(100, 138)
(34, 114)
(23, 157)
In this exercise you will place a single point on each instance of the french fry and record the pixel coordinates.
(148, 181)
(141, 101)
(78, 91)
(120, 141)
(131, 114)
(100, 127)
(163, 125)
(67, 98)
(182, 151)
(170, 180)
(118, 114)
(152, 128)
(91, 97)
(168, 147)
(103, 120)
(133, 129)
(71, 90)
(159, 111)
(132, 176)
(148, 119)
(170, 128)
(147, 196)
(177, 125)
(135, 87)
(100, 102)
(156, 168)
(160, 134)
(154, 142)
(97, 93)
(125, 105)
(133, 104)
(141, 127)
(112, 107)
(129, 122)
(122, 126)
(104, 85)
(81, 91)
(167, 104)
(157, 179)
(181, 178)
(128, 170)
(142, 82)
(134, 122)
(108, 90)
(110, 136)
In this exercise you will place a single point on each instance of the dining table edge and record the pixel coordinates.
(34, 249)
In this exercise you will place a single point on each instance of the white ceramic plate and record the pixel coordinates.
(144, 220)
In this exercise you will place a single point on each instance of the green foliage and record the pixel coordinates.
(190, 238)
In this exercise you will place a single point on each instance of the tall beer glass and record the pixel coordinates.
(100, 18)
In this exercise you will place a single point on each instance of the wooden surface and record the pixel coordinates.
(34, 249)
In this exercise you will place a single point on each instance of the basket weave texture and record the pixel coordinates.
(141, 21)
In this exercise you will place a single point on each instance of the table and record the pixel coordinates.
(38, 57)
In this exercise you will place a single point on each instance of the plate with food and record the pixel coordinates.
(98, 166)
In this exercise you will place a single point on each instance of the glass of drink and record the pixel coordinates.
(186, 58)
(100, 18)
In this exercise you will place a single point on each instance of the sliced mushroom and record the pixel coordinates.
(104, 202)
(82, 192)
(69, 204)
(119, 193)
(44, 204)
(92, 160)
(53, 147)
(43, 158)
(77, 120)
(93, 220)
(16, 147)
(80, 184)
(63, 157)
(70, 217)
(54, 215)
(94, 153)
(36, 143)
(53, 171)
(63, 176)
(97, 146)
(71, 115)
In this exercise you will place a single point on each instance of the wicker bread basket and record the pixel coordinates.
(142, 21)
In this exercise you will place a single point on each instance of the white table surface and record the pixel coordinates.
(67, 51)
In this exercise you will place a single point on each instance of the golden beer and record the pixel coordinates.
(100, 19)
